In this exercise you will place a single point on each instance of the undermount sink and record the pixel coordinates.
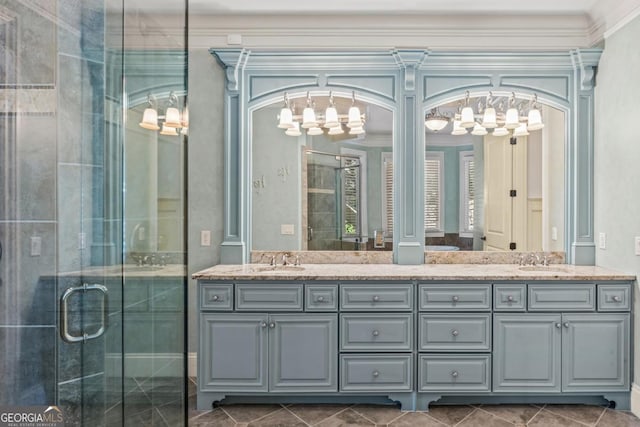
(276, 268)
(548, 268)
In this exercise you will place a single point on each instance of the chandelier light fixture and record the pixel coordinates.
(171, 122)
(493, 115)
(316, 123)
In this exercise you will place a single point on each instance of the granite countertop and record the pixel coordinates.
(130, 270)
(409, 272)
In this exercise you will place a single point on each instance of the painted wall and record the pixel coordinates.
(617, 152)
(206, 171)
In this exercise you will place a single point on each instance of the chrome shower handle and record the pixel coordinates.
(64, 313)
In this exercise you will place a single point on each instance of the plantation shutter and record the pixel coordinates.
(388, 195)
(433, 192)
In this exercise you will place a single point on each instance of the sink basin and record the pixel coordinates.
(276, 268)
(547, 268)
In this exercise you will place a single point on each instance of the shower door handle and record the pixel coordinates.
(64, 313)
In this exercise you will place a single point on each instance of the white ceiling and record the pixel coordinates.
(390, 6)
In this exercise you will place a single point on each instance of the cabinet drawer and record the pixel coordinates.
(552, 297)
(456, 297)
(614, 297)
(321, 297)
(379, 332)
(364, 372)
(455, 332)
(269, 297)
(387, 296)
(464, 373)
(216, 296)
(510, 297)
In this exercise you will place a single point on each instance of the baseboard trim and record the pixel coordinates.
(635, 399)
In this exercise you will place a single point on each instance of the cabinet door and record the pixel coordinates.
(233, 352)
(303, 353)
(527, 353)
(595, 352)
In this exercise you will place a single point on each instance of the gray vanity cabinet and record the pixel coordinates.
(526, 355)
(294, 352)
(233, 352)
(553, 352)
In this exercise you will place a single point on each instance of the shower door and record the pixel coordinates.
(67, 286)
(334, 213)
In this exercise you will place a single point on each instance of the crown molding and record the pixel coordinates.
(344, 31)
(608, 18)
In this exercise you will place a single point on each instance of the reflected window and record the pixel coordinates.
(467, 193)
(433, 192)
(387, 201)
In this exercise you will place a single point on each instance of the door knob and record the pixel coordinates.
(375, 333)
(455, 332)
(272, 325)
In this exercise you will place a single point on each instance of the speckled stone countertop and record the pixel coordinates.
(409, 272)
(130, 270)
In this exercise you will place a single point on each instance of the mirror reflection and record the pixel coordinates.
(153, 200)
(486, 191)
(334, 191)
(325, 187)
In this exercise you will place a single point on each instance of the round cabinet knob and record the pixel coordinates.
(510, 298)
(320, 299)
(376, 298)
(455, 298)
(558, 325)
(272, 325)
(616, 298)
(215, 298)
(375, 333)
(376, 374)
(566, 324)
(263, 324)
(455, 332)
(454, 374)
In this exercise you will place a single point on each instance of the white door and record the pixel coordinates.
(498, 165)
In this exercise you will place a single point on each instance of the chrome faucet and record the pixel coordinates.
(297, 262)
(285, 261)
(273, 260)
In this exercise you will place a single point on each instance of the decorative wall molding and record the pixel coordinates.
(423, 79)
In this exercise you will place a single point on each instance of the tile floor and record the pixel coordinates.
(438, 416)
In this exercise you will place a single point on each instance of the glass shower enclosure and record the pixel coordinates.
(92, 213)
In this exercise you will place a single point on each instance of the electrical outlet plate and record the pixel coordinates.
(36, 246)
(637, 245)
(287, 229)
(205, 237)
(602, 241)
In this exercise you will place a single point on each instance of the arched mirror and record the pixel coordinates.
(321, 173)
(495, 174)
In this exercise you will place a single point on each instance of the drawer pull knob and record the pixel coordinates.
(376, 374)
(375, 333)
(510, 298)
(455, 298)
(272, 325)
(215, 298)
(566, 324)
(558, 325)
(616, 298)
(320, 299)
(263, 324)
(455, 332)
(454, 374)
(376, 298)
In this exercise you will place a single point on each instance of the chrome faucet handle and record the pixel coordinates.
(297, 261)
(273, 260)
(521, 262)
(284, 259)
(545, 260)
